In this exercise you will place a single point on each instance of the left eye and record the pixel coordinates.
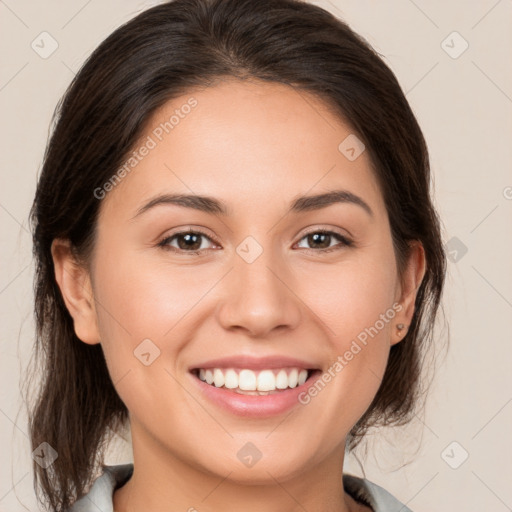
(324, 237)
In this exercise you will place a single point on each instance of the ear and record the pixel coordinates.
(407, 289)
(76, 289)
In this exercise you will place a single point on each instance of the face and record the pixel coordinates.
(254, 279)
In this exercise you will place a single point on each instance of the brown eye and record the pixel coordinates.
(322, 240)
(187, 241)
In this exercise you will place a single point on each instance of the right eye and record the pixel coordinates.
(187, 242)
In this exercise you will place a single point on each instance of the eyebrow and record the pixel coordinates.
(214, 206)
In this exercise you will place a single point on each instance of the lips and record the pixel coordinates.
(256, 363)
(255, 387)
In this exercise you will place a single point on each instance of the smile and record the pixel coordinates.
(249, 382)
(257, 387)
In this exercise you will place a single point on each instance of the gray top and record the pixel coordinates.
(100, 496)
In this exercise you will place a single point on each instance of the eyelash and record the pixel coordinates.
(345, 242)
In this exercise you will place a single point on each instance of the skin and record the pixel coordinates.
(255, 146)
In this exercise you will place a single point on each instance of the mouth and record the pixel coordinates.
(255, 387)
(262, 382)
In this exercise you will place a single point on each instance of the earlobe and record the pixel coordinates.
(408, 289)
(75, 286)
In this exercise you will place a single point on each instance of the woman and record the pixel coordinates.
(237, 254)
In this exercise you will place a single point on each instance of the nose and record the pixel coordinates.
(258, 297)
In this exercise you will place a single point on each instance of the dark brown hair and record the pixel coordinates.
(162, 53)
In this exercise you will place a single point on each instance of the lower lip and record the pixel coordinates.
(255, 406)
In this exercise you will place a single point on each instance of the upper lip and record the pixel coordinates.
(256, 363)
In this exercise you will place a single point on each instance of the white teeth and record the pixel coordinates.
(282, 380)
(254, 383)
(266, 381)
(247, 380)
(293, 378)
(230, 379)
(218, 378)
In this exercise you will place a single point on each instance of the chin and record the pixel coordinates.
(262, 471)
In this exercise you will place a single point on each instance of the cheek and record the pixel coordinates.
(356, 308)
(139, 305)
(351, 299)
(143, 298)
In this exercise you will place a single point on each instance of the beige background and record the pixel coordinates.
(464, 106)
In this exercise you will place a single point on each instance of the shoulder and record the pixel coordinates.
(377, 498)
(100, 495)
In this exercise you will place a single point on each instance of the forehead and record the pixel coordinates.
(247, 142)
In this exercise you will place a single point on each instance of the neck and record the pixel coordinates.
(164, 481)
